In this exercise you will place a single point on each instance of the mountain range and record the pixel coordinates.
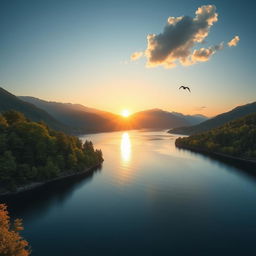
(77, 119)
(217, 121)
(86, 119)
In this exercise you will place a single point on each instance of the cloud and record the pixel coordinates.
(136, 55)
(234, 41)
(204, 54)
(200, 108)
(178, 39)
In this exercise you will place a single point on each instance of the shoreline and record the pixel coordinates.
(212, 153)
(35, 185)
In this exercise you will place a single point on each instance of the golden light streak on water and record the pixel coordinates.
(125, 148)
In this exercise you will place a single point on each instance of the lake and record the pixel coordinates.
(148, 198)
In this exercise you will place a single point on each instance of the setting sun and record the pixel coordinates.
(125, 113)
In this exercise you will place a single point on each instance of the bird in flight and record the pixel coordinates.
(185, 87)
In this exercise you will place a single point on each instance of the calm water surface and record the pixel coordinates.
(149, 198)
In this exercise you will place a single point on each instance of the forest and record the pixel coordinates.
(236, 138)
(32, 152)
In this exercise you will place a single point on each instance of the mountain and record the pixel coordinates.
(192, 119)
(87, 119)
(236, 139)
(81, 118)
(9, 101)
(157, 118)
(219, 120)
(58, 106)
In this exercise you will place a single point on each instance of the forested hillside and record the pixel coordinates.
(31, 152)
(236, 138)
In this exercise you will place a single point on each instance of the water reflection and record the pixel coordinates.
(33, 205)
(125, 148)
(241, 167)
(178, 196)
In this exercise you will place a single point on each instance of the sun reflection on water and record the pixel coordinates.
(125, 148)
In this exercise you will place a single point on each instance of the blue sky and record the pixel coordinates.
(79, 51)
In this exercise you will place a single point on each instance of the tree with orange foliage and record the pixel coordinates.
(11, 243)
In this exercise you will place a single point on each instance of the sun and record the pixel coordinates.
(125, 113)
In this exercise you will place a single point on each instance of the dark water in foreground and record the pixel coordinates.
(149, 198)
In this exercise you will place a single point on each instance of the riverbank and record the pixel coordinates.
(35, 185)
(216, 154)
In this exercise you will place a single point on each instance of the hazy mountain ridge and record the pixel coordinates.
(50, 105)
(192, 119)
(76, 118)
(83, 119)
(157, 118)
(93, 120)
(218, 120)
(9, 101)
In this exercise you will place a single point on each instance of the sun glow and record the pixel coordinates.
(125, 113)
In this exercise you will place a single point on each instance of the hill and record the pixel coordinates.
(9, 101)
(157, 118)
(219, 120)
(59, 107)
(236, 139)
(30, 152)
(81, 118)
(192, 119)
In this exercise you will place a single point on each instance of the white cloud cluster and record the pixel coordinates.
(175, 44)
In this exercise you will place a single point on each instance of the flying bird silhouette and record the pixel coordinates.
(185, 87)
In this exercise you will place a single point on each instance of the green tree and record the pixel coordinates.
(13, 116)
(7, 170)
(3, 122)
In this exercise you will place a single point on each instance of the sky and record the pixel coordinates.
(80, 52)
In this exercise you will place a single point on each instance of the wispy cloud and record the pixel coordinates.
(136, 55)
(200, 108)
(234, 41)
(180, 35)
